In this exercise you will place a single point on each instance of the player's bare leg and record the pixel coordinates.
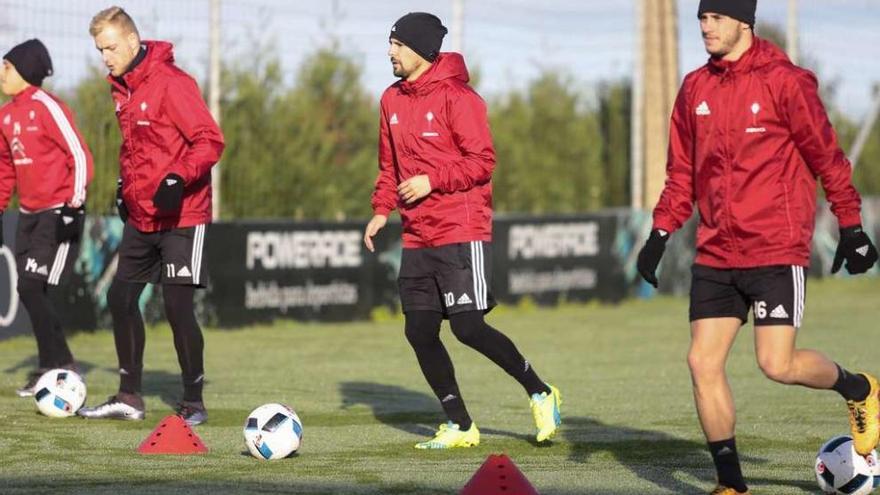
(711, 340)
(782, 362)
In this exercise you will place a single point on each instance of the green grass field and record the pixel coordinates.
(629, 424)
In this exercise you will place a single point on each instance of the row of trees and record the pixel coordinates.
(307, 150)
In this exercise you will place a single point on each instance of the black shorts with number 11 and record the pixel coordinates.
(172, 256)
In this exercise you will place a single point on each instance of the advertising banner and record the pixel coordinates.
(320, 271)
(550, 259)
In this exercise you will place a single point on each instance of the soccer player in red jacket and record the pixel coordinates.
(44, 158)
(169, 144)
(748, 140)
(436, 160)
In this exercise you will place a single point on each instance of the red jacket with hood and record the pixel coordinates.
(42, 154)
(748, 141)
(437, 126)
(166, 128)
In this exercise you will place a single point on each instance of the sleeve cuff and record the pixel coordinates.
(849, 220)
(180, 172)
(434, 179)
(661, 224)
(381, 210)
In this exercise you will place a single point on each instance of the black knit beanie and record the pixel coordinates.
(31, 60)
(420, 31)
(741, 10)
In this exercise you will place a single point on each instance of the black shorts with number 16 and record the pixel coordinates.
(775, 294)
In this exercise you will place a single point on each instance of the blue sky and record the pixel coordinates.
(510, 41)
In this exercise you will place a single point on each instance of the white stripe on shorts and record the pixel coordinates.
(797, 275)
(58, 264)
(474, 275)
(484, 294)
(196, 259)
(479, 274)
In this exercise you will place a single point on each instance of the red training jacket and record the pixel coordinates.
(166, 128)
(437, 126)
(42, 155)
(747, 142)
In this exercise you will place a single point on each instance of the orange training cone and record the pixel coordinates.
(498, 476)
(172, 436)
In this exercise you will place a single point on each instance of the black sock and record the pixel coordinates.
(530, 379)
(128, 333)
(130, 380)
(188, 340)
(423, 334)
(852, 386)
(192, 388)
(472, 330)
(726, 461)
(453, 406)
(52, 349)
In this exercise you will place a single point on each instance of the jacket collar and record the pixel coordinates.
(158, 53)
(761, 53)
(26, 94)
(448, 65)
(744, 63)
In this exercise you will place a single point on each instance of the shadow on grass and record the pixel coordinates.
(657, 457)
(406, 410)
(29, 364)
(23, 486)
(168, 387)
(92, 486)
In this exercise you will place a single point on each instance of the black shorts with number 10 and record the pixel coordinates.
(449, 279)
(172, 256)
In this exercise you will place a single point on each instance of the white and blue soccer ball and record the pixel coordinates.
(60, 393)
(272, 431)
(839, 469)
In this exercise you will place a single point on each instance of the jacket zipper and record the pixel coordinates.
(728, 164)
(128, 121)
(130, 136)
(128, 139)
(419, 226)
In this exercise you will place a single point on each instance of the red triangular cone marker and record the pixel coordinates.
(172, 436)
(498, 476)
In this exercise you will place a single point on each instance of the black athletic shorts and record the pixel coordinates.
(169, 256)
(449, 279)
(38, 254)
(776, 294)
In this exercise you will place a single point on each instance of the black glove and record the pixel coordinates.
(69, 223)
(856, 248)
(1, 228)
(121, 209)
(649, 256)
(169, 196)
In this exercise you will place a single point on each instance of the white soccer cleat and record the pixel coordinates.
(113, 408)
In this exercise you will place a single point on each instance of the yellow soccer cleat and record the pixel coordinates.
(545, 410)
(726, 490)
(863, 421)
(450, 436)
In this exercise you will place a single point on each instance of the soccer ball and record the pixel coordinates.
(59, 393)
(839, 469)
(272, 431)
